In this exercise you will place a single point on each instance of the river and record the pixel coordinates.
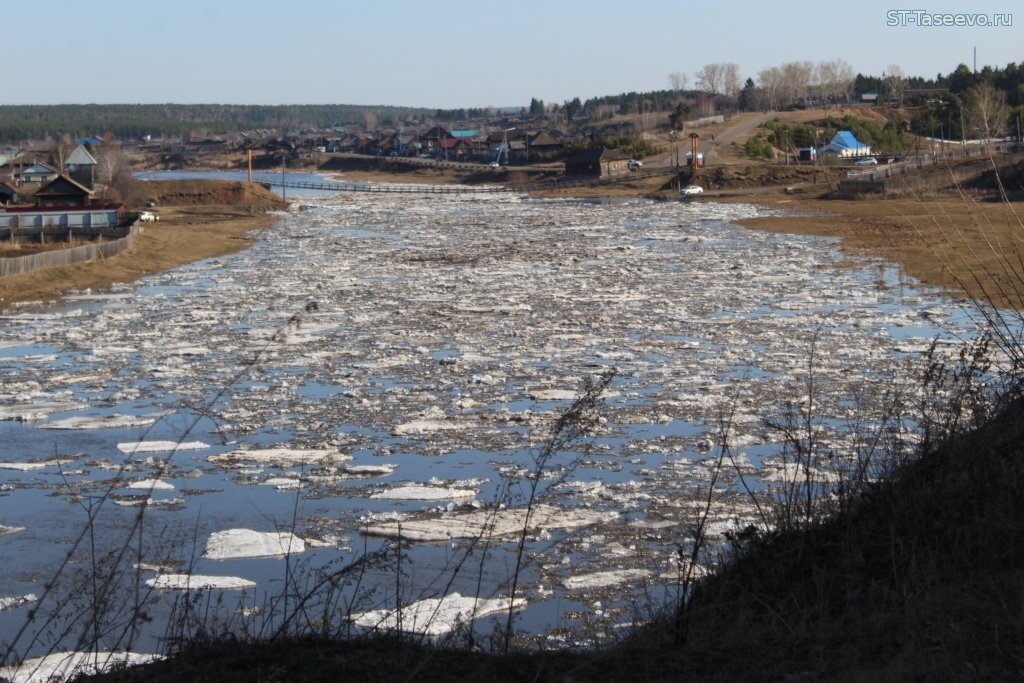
(375, 363)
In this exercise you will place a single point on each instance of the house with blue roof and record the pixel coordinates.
(846, 145)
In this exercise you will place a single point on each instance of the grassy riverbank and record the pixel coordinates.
(198, 220)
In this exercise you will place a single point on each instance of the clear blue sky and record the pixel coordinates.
(451, 53)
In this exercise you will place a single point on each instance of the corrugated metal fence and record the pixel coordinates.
(66, 257)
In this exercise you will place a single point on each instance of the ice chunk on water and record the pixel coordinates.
(244, 543)
(279, 456)
(199, 581)
(105, 421)
(436, 617)
(493, 523)
(65, 666)
(417, 492)
(151, 485)
(160, 446)
(604, 579)
(18, 601)
(368, 470)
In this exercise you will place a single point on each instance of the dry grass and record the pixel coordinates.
(960, 245)
(182, 236)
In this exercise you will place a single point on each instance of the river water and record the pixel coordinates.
(379, 366)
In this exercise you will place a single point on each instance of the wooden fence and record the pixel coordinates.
(65, 257)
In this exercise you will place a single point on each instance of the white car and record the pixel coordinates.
(870, 161)
(691, 190)
(148, 217)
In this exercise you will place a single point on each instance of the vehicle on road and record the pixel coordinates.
(148, 217)
(869, 161)
(495, 164)
(634, 164)
(691, 190)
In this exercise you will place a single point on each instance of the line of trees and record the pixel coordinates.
(132, 121)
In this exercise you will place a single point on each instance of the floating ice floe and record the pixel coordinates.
(105, 421)
(554, 395)
(415, 492)
(488, 523)
(65, 666)
(160, 446)
(283, 483)
(37, 465)
(368, 470)
(279, 456)
(232, 544)
(434, 616)
(4, 530)
(151, 485)
(8, 603)
(26, 412)
(199, 582)
(420, 427)
(604, 579)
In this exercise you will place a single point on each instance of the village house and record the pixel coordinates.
(544, 146)
(80, 166)
(7, 194)
(35, 173)
(597, 163)
(62, 192)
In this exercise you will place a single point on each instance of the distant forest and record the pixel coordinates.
(127, 121)
(132, 121)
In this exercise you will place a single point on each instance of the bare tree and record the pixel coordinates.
(844, 79)
(61, 150)
(113, 172)
(796, 79)
(895, 83)
(678, 80)
(770, 80)
(835, 78)
(730, 79)
(986, 110)
(709, 79)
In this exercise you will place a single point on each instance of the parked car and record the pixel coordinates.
(495, 164)
(870, 161)
(691, 190)
(148, 217)
(634, 164)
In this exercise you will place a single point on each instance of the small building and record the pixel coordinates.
(7, 194)
(36, 173)
(597, 163)
(544, 147)
(845, 146)
(62, 191)
(80, 166)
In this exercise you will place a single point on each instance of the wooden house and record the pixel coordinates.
(36, 173)
(596, 163)
(80, 166)
(62, 191)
